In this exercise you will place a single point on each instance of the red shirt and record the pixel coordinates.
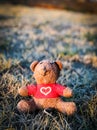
(46, 91)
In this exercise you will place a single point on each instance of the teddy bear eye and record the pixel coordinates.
(51, 62)
(41, 62)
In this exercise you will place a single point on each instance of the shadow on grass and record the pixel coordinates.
(5, 17)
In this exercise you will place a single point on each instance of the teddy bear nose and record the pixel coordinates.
(44, 70)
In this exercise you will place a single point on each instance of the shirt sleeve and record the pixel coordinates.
(31, 90)
(60, 89)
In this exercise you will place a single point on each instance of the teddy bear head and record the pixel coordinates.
(46, 71)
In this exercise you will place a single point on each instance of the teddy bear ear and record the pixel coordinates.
(59, 63)
(33, 64)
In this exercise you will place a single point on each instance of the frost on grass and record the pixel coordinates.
(82, 80)
(54, 35)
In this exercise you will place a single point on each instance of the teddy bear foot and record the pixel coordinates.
(26, 106)
(69, 108)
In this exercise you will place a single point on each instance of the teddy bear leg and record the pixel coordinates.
(26, 106)
(68, 108)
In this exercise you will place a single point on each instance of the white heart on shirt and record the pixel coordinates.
(45, 90)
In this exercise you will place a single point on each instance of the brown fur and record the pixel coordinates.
(46, 72)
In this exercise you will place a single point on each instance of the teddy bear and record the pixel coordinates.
(46, 92)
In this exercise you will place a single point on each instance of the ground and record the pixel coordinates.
(28, 34)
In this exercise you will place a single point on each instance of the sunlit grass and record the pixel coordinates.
(11, 119)
(4, 64)
(13, 73)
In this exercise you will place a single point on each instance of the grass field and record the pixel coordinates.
(28, 34)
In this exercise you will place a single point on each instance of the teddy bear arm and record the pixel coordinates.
(67, 92)
(23, 91)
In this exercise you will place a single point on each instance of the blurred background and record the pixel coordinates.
(77, 5)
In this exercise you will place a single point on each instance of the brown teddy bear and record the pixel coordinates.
(46, 94)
